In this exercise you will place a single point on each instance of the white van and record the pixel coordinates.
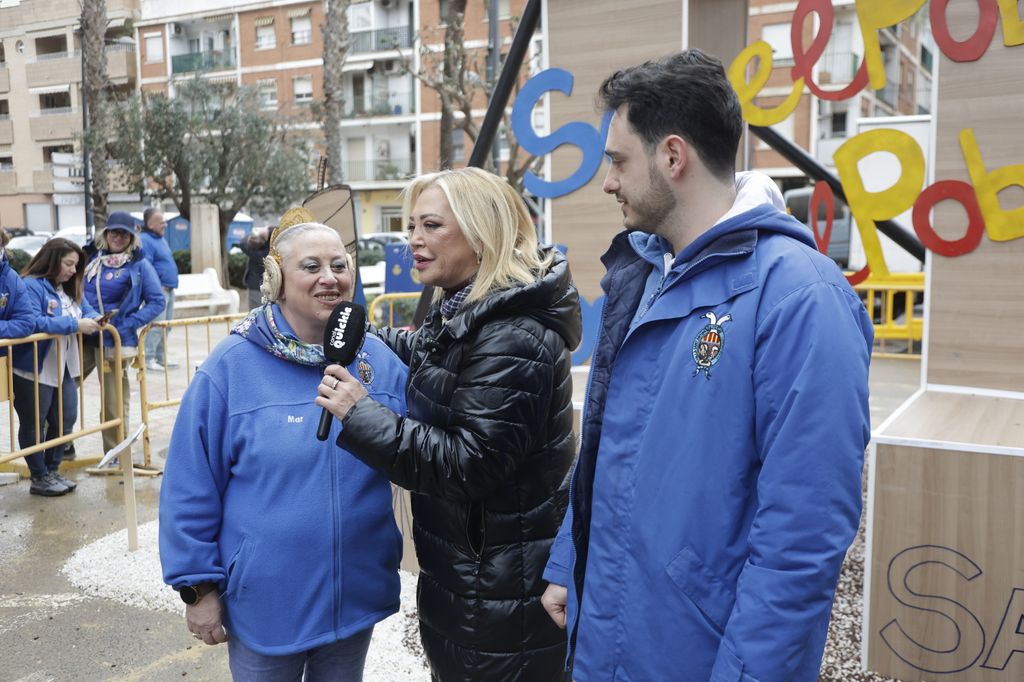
(798, 201)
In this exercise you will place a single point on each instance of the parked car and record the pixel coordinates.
(371, 246)
(74, 234)
(30, 244)
(798, 202)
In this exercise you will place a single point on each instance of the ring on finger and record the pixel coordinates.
(336, 382)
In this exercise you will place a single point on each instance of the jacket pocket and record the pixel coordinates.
(476, 528)
(236, 569)
(714, 599)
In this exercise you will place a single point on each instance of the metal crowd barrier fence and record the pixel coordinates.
(892, 306)
(112, 364)
(170, 395)
(393, 310)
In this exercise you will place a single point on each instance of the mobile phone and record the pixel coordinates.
(105, 317)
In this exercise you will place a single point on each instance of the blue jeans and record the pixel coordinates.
(48, 460)
(155, 350)
(342, 661)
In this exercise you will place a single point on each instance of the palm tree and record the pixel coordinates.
(336, 43)
(94, 96)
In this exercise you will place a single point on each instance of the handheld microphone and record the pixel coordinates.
(343, 337)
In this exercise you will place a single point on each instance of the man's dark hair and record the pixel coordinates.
(685, 94)
(147, 214)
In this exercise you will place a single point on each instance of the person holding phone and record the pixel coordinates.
(121, 283)
(53, 282)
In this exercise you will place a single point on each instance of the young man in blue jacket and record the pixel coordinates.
(718, 484)
(17, 319)
(158, 252)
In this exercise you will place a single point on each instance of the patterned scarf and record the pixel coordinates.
(110, 260)
(451, 303)
(260, 327)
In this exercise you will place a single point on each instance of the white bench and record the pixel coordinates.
(201, 294)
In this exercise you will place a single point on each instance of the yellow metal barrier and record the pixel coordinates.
(162, 327)
(890, 304)
(392, 303)
(106, 365)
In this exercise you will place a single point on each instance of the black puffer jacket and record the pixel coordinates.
(486, 449)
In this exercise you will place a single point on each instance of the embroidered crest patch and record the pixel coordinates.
(709, 343)
(3, 300)
(365, 370)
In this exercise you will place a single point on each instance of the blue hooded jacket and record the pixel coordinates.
(158, 252)
(719, 480)
(142, 302)
(298, 534)
(16, 316)
(48, 318)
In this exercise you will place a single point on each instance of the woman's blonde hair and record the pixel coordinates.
(280, 245)
(495, 222)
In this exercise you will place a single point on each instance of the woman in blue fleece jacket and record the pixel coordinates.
(280, 539)
(53, 283)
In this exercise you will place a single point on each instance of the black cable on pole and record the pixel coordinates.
(499, 100)
(903, 237)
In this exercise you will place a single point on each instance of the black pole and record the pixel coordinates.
(90, 221)
(810, 166)
(499, 100)
(493, 59)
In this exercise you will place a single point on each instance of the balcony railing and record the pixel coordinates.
(840, 67)
(394, 104)
(202, 61)
(53, 111)
(381, 39)
(50, 56)
(378, 169)
(119, 47)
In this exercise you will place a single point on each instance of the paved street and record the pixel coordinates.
(53, 628)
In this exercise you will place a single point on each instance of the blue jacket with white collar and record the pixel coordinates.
(719, 480)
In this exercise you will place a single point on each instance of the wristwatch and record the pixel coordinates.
(191, 594)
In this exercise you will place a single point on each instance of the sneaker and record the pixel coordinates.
(47, 486)
(67, 483)
(154, 366)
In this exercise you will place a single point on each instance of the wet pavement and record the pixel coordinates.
(51, 630)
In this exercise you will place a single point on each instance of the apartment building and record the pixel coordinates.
(390, 129)
(820, 126)
(41, 109)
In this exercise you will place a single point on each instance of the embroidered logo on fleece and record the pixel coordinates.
(3, 300)
(709, 343)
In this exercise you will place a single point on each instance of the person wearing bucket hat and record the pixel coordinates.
(119, 281)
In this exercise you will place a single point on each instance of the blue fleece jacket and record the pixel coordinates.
(298, 534)
(158, 252)
(16, 316)
(49, 318)
(141, 303)
(719, 480)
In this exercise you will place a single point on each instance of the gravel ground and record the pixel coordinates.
(105, 568)
(841, 662)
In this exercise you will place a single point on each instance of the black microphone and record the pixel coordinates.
(343, 337)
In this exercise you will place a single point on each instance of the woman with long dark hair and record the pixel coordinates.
(53, 282)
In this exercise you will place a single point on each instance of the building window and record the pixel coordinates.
(458, 145)
(302, 88)
(5, 110)
(268, 93)
(778, 36)
(154, 47)
(265, 37)
(391, 219)
(55, 102)
(6, 163)
(302, 31)
(838, 124)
